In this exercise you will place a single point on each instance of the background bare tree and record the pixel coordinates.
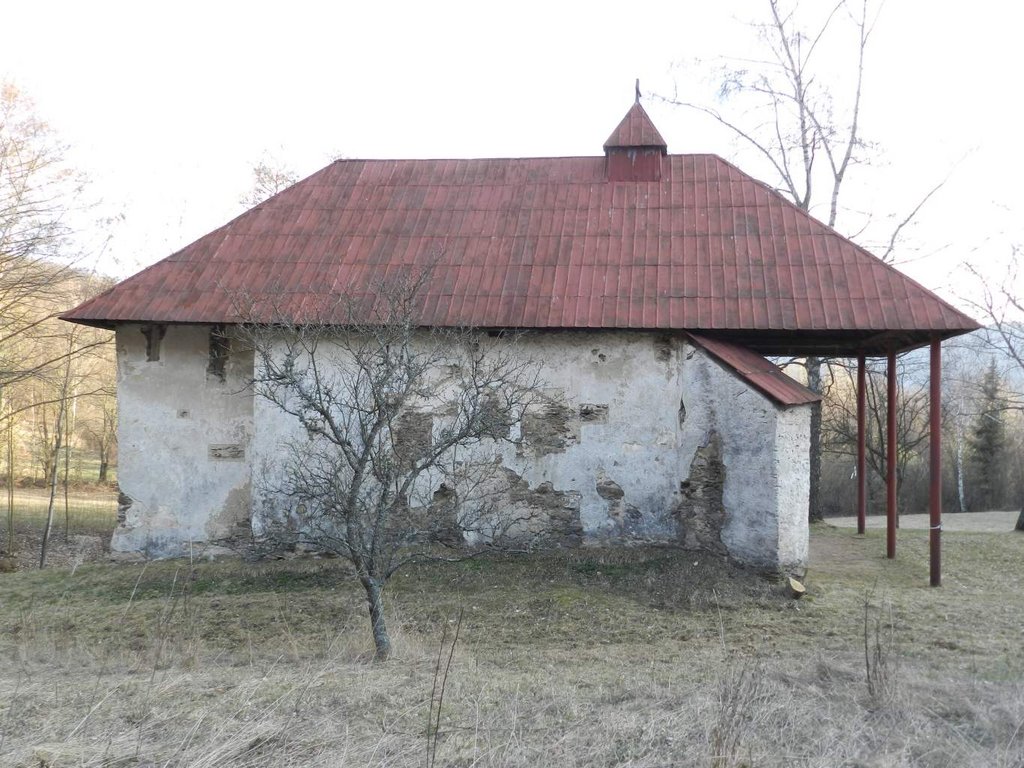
(43, 362)
(99, 428)
(395, 436)
(268, 178)
(789, 114)
(1001, 307)
(959, 387)
(36, 190)
(804, 123)
(1000, 304)
(840, 418)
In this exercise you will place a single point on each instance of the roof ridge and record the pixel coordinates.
(341, 160)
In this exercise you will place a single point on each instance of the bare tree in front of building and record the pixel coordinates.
(392, 437)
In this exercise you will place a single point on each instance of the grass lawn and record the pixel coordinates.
(87, 510)
(582, 658)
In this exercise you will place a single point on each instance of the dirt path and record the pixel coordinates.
(978, 522)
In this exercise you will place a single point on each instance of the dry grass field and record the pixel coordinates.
(584, 658)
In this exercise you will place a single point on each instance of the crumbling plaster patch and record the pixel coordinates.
(701, 510)
(634, 409)
(550, 516)
(223, 524)
(551, 426)
(618, 384)
(624, 416)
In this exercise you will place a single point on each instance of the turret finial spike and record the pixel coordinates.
(638, 90)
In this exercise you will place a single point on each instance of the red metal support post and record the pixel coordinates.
(935, 468)
(890, 457)
(862, 474)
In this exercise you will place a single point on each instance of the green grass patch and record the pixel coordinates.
(87, 511)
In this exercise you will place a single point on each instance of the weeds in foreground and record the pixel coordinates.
(881, 659)
(559, 662)
(740, 706)
(438, 688)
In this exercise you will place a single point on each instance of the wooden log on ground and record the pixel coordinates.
(796, 589)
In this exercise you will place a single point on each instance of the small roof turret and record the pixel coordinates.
(636, 131)
(635, 149)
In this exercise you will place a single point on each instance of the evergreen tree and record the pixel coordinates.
(987, 444)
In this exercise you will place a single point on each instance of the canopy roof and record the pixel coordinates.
(760, 373)
(548, 243)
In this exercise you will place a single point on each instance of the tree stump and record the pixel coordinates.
(796, 589)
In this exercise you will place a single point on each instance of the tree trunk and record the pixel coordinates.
(68, 429)
(10, 482)
(961, 497)
(58, 432)
(374, 601)
(103, 471)
(814, 511)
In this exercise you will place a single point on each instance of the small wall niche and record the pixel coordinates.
(220, 349)
(227, 452)
(154, 337)
(594, 413)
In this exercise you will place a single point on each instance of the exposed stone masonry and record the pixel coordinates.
(701, 512)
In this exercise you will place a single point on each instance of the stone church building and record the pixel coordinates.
(650, 285)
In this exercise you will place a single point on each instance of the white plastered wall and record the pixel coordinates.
(643, 446)
(766, 456)
(793, 470)
(184, 454)
(638, 377)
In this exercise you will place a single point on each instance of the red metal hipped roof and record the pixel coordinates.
(548, 243)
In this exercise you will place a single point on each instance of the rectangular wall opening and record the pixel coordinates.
(154, 336)
(220, 349)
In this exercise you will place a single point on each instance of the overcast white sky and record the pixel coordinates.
(168, 106)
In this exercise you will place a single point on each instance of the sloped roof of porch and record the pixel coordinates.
(548, 243)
